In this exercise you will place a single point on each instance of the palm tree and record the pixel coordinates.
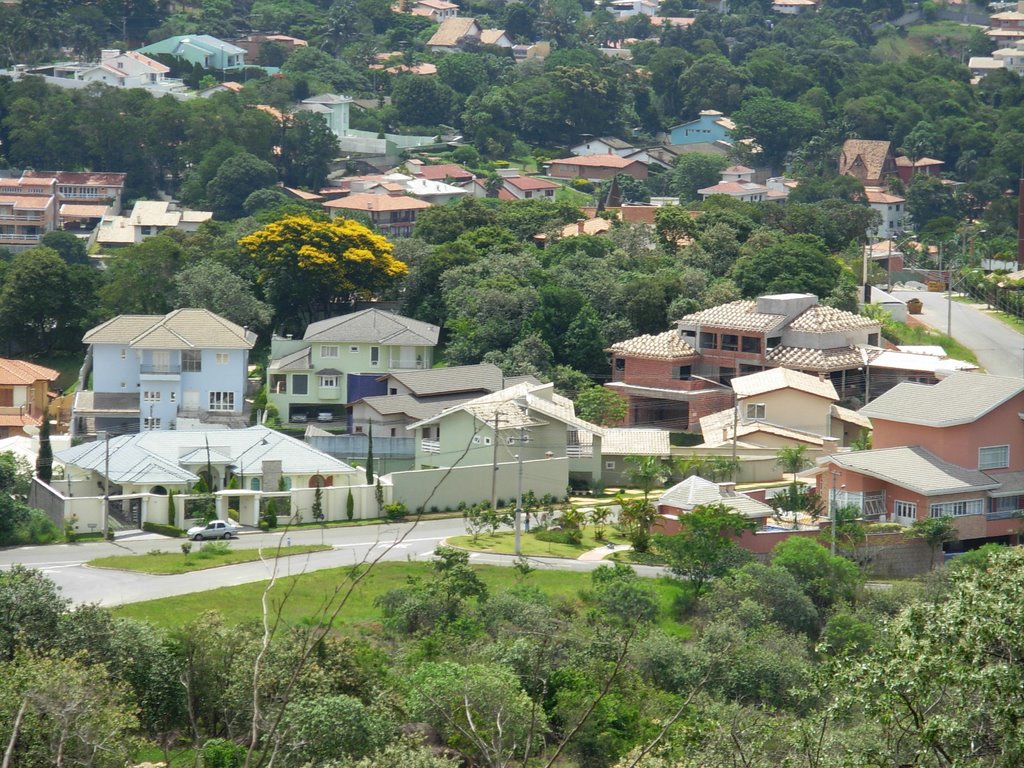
(934, 531)
(792, 459)
(646, 472)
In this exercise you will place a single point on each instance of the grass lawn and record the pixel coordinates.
(242, 603)
(1004, 317)
(920, 335)
(180, 757)
(504, 543)
(164, 563)
(566, 194)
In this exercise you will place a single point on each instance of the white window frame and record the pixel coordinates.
(329, 351)
(1001, 462)
(124, 354)
(353, 350)
(174, 396)
(374, 357)
(487, 441)
(223, 358)
(328, 382)
(756, 411)
(222, 401)
(151, 423)
(193, 364)
(904, 510)
(151, 396)
(961, 508)
(609, 465)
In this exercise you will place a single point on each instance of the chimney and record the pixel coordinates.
(1020, 226)
(829, 446)
(580, 224)
(727, 489)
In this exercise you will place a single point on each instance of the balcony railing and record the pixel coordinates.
(1004, 514)
(159, 368)
(430, 446)
(18, 237)
(404, 362)
(579, 451)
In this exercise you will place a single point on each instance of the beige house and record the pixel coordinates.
(148, 218)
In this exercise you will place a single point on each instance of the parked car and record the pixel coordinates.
(300, 417)
(215, 529)
(325, 416)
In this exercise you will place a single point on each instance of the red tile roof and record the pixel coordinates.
(530, 182)
(20, 372)
(375, 203)
(596, 161)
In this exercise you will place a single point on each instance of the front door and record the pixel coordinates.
(191, 399)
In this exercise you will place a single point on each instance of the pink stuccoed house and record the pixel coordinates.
(953, 449)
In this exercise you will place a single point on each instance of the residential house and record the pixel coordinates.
(148, 218)
(435, 10)
(893, 210)
(907, 169)
(333, 108)
(661, 156)
(606, 145)
(393, 216)
(451, 173)
(128, 69)
(516, 187)
(452, 33)
(539, 50)
(24, 395)
(683, 22)
(495, 37)
(710, 126)
(79, 186)
(1008, 20)
(527, 420)
(694, 491)
(434, 192)
(24, 219)
(257, 44)
(409, 396)
(205, 50)
(744, 191)
(869, 161)
(151, 372)
(793, 7)
(618, 443)
(342, 359)
(953, 449)
(675, 378)
(596, 167)
(624, 9)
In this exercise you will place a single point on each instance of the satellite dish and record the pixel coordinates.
(32, 430)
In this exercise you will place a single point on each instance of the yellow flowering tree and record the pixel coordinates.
(308, 266)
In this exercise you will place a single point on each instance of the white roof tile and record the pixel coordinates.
(741, 315)
(696, 491)
(664, 346)
(915, 469)
(773, 379)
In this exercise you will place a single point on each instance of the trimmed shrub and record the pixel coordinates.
(163, 530)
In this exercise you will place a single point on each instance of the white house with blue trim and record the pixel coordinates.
(150, 371)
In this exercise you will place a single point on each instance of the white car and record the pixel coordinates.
(215, 529)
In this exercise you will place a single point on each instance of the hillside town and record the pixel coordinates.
(572, 383)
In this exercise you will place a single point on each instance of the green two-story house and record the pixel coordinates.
(343, 359)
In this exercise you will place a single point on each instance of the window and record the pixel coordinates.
(751, 345)
(994, 457)
(730, 342)
(957, 508)
(222, 358)
(124, 354)
(353, 349)
(609, 465)
(476, 439)
(7, 397)
(329, 351)
(708, 340)
(755, 410)
(725, 374)
(374, 356)
(394, 432)
(392, 390)
(329, 382)
(151, 397)
(174, 397)
(149, 423)
(683, 372)
(279, 384)
(620, 363)
(300, 384)
(773, 341)
(873, 339)
(904, 511)
(254, 484)
(487, 441)
(192, 361)
(222, 401)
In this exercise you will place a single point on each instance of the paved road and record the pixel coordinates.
(65, 563)
(1000, 349)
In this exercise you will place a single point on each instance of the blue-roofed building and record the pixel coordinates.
(205, 50)
(710, 127)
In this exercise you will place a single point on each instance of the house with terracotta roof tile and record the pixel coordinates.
(596, 167)
(392, 215)
(516, 187)
(675, 378)
(24, 395)
(950, 449)
(869, 161)
(892, 209)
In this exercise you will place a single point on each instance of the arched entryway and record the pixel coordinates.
(319, 481)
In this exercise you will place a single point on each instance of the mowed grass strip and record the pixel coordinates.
(504, 543)
(306, 595)
(170, 563)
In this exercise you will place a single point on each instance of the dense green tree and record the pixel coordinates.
(705, 546)
(791, 264)
(422, 101)
(210, 285)
(68, 246)
(826, 578)
(776, 125)
(140, 278)
(237, 177)
(696, 170)
(306, 151)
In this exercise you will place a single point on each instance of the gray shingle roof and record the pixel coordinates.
(407, 405)
(915, 469)
(461, 378)
(374, 326)
(180, 329)
(696, 491)
(300, 360)
(958, 399)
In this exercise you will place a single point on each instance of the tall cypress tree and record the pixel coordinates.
(44, 461)
(369, 458)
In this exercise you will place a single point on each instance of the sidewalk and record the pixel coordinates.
(600, 553)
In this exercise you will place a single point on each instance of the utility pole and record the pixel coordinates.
(519, 483)
(106, 482)
(832, 508)
(494, 462)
